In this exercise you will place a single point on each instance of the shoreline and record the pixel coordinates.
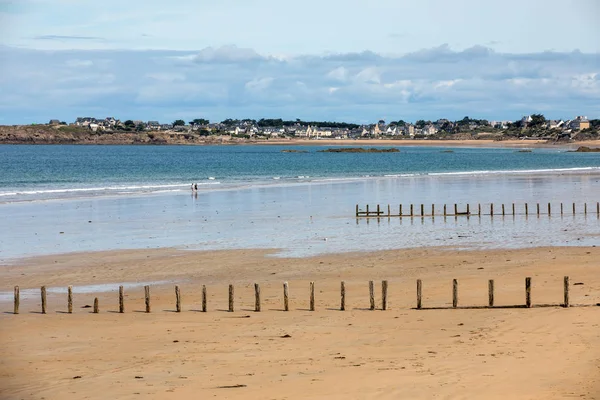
(517, 353)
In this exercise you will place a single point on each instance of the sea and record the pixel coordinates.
(298, 200)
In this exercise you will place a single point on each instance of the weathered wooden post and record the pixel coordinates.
(503, 210)
(445, 210)
(389, 211)
(455, 209)
(573, 208)
(70, 299)
(357, 210)
(411, 210)
(433, 210)
(371, 295)
(312, 297)
(422, 210)
(454, 293)
(43, 292)
(584, 208)
(513, 209)
(230, 298)
(538, 209)
(566, 284)
(561, 209)
(492, 209)
(479, 209)
(526, 209)
(204, 301)
(121, 300)
(342, 296)
(549, 209)
(367, 210)
(400, 210)
(256, 297)
(384, 291)
(147, 298)
(598, 208)
(286, 300)
(378, 210)
(96, 306)
(491, 293)
(528, 292)
(177, 299)
(468, 209)
(17, 300)
(419, 294)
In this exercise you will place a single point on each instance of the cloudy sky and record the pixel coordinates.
(342, 60)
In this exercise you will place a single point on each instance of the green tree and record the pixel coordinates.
(537, 120)
(199, 121)
(420, 124)
(179, 122)
(129, 124)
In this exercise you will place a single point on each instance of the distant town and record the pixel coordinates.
(534, 126)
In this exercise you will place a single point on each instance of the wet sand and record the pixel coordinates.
(516, 353)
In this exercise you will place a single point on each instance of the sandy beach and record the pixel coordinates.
(516, 353)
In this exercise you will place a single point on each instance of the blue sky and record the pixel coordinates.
(337, 60)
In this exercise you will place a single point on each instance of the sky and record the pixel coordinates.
(338, 60)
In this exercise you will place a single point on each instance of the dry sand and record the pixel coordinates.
(401, 353)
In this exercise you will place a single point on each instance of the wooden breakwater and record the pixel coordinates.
(489, 209)
(286, 303)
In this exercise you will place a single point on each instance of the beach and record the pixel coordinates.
(517, 353)
(83, 216)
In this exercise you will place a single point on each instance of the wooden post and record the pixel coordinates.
(70, 299)
(371, 295)
(17, 300)
(312, 297)
(491, 293)
(121, 300)
(389, 211)
(573, 208)
(378, 210)
(549, 209)
(455, 209)
(566, 283)
(342, 296)
(528, 292)
(147, 298)
(598, 208)
(479, 210)
(454, 293)
(286, 301)
(96, 307)
(367, 210)
(503, 210)
(538, 209)
(561, 209)
(357, 210)
(422, 210)
(468, 209)
(204, 298)
(384, 290)
(445, 210)
(411, 210)
(256, 297)
(584, 208)
(526, 209)
(513, 209)
(177, 299)
(400, 210)
(230, 298)
(419, 292)
(492, 209)
(43, 291)
(433, 210)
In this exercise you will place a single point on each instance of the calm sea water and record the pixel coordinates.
(60, 199)
(46, 172)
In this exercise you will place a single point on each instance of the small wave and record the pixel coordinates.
(516, 171)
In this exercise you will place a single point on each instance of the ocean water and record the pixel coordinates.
(60, 199)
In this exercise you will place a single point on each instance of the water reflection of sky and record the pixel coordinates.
(313, 218)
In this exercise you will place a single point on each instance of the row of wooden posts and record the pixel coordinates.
(465, 212)
(257, 304)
